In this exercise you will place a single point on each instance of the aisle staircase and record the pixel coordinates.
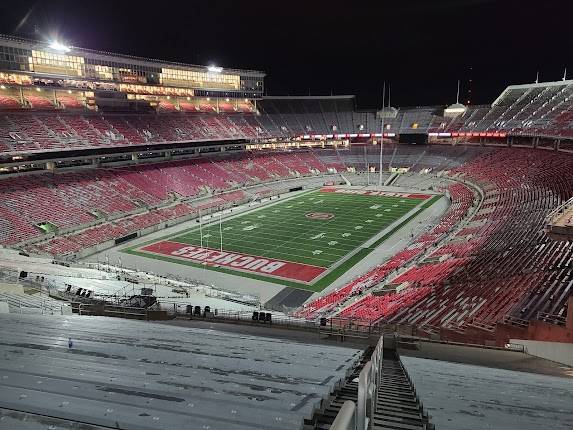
(377, 395)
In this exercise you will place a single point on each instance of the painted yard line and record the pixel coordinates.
(332, 205)
(228, 244)
(263, 233)
(191, 229)
(295, 207)
(302, 250)
(341, 236)
(269, 253)
(329, 207)
(300, 218)
(366, 231)
(267, 235)
(313, 230)
(305, 207)
(270, 231)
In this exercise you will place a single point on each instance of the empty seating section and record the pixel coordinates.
(537, 110)
(166, 106)
(35, 199)
(373, 307)
(509, 264)
(9, 102)
(41, 131)
(111, 230)
(356, 287)
(39, 102)
(70, 102)
(428, 274)
(103, 204)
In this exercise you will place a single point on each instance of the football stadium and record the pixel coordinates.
(181, 248)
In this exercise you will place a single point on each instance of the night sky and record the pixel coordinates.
(421, 47)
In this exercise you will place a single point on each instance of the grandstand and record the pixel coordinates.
(193, 378)
(220, 203)
(143, 171)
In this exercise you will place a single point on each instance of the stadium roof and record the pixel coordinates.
(533, 85)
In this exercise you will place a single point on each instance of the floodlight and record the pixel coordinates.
(215, 69)
(57, 46)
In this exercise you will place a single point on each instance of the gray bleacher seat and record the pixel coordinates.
(136, 375)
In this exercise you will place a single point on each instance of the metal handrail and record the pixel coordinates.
(346, 417)
(363, 411)
(551, 318)
(559, 210)
(368, 382)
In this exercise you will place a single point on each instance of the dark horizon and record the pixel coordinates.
(329, 47)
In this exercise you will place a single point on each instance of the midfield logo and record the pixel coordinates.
(324, 216)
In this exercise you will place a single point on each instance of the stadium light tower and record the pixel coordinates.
(382, 137)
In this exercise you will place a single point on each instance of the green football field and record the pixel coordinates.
(306, 241)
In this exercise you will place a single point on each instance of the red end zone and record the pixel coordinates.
(374, 193)
(242, 262)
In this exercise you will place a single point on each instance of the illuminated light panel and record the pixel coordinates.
(57, 46)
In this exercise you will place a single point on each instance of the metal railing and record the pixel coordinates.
(559, 210)
(357, 416)
(34, 305)
(335, 326)
(346, 418)
(112, 311)
(551, 318)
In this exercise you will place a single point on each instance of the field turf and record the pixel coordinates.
(310, 235)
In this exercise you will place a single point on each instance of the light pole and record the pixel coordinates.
(382, 137)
